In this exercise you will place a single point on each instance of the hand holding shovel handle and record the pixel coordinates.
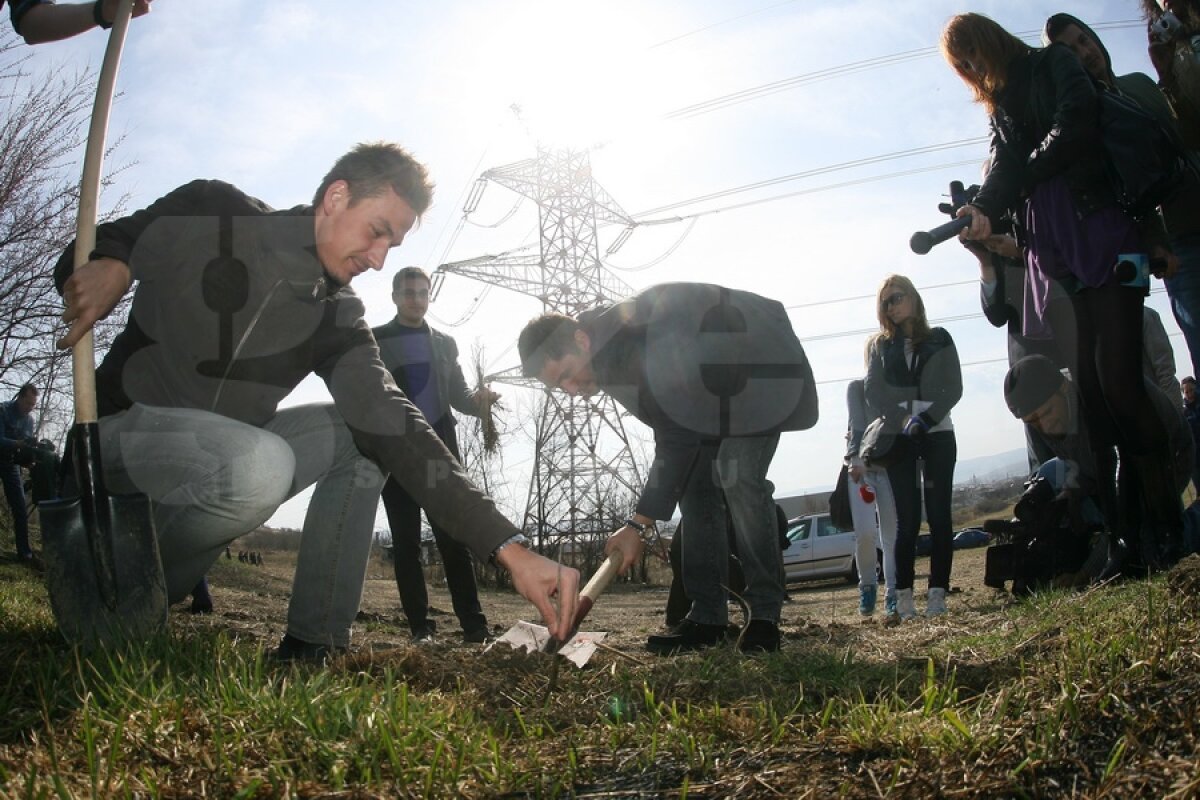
(103, 572)
(587, 597)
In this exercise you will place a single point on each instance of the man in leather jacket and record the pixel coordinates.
(236, 304)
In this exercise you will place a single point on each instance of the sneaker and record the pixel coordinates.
(685, 637)
(866, 600)
(889, 602)
(478, 636)
(905, 610)
(935, 602)
(760, 636)
(295, 650)
(423, 636)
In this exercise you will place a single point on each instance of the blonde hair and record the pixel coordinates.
(887, 329)
(981, 41)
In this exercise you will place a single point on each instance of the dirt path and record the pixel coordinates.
(251, 602)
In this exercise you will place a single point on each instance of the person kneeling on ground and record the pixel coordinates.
(1040, 395)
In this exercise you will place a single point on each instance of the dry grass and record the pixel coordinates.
(1089, 694)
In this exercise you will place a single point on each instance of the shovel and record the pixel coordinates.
(577, 647)
(103, 571)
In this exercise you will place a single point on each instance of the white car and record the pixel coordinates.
(818, 550)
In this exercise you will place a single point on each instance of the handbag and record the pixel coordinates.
(883, 444)
(1145, 163)
(839, 502)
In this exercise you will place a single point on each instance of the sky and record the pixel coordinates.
(677, 100)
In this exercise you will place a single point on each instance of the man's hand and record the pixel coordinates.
(1163, 255)
(980, 227)
(91, 294)
(855, 471)
(542, 581)
(485, 398)
(915, 426)
(109, 9)
(629, 543)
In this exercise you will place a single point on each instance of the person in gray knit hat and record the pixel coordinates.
(1040, 395)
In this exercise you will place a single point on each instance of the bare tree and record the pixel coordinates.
(43, 123)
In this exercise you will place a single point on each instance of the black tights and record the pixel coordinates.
(1099, 332)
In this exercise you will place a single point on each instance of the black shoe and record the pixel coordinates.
(423, 636)
(760, 636)
(296, 650)
(478, 636)
(685, 637)
(201, 605)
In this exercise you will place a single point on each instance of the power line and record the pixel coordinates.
(774, 87)
(717, 24)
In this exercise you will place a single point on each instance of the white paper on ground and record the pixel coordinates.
(531, 638)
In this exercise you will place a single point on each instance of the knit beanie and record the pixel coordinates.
(1031, 382)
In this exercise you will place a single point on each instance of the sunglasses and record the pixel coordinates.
(893, 298)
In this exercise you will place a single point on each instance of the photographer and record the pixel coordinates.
(1041, 396)
(17, 449)
(1002, 283)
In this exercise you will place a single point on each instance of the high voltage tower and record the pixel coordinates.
(585, 478)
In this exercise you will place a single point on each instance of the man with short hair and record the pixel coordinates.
(717, 374)
(17, 444)
(236, 303)
(424, 363)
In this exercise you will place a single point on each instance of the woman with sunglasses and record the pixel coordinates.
(914, 379)
(1048, 168)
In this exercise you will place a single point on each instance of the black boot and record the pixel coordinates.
(1161, 532)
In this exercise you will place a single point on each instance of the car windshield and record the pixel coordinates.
(800, 531)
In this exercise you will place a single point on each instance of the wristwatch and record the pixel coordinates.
(644, 532)
(517, 538)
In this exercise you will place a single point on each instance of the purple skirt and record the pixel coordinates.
(1066, 253)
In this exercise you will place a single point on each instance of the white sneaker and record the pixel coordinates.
(935, 603)
(905, 609)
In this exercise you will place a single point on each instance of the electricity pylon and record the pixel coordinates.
(585, 476)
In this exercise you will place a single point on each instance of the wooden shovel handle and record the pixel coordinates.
(598, 583)
(83, 355)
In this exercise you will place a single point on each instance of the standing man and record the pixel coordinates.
(717, 374)
(16, 449)
(424, 364)
(235, 305)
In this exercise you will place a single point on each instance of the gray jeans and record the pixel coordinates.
(212, 479)
(734, 473)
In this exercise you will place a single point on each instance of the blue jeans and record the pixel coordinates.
(733, 473)
(1184, 291)
(14, 492)
(211, 479)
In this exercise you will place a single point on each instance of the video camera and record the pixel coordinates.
(922, 242)
(1037, 546)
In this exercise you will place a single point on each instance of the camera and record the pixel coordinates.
(1133, 269)
(1037, 546)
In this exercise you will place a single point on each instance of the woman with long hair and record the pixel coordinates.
(1048, 169)
(913, 380)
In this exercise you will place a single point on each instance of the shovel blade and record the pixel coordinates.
(100, 601)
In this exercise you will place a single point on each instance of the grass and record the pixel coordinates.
(1090, 694)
